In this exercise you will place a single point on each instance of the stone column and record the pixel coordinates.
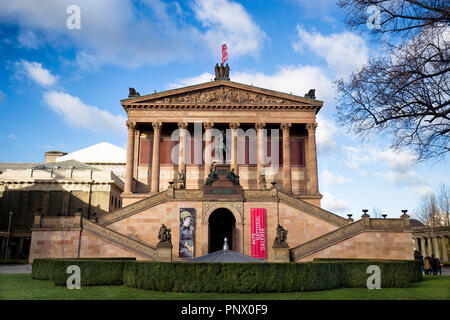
(429, 247)
(208, 136)
(287, 180)
(234, 164)
(182, 147)
(444, 249)
(155, 156)
(416, 244)
(130, 158)
(311, 166)
(259, 153)
(437, 253)
(423, 252)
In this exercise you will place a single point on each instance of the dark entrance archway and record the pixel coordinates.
(221, 225)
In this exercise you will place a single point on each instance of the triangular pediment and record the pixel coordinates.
(222, 92)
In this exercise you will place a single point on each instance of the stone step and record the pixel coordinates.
(119, 239)
(151, 201)
(327, 240)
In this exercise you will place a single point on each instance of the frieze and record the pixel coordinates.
(222, 95)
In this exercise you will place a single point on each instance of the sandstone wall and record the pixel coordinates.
(370, 245)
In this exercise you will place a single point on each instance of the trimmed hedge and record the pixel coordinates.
(394, 273)
(93, 271)
(321, 274)
(231, 277)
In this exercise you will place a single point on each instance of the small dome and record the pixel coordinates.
(415, 223)
(226, 256)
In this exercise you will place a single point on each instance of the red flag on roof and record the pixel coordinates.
(224, 53)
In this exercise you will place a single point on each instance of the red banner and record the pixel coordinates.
(224, 53)
(258, 232)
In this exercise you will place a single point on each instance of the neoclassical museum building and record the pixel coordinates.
(221, 160)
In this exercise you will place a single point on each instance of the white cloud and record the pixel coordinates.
(296, 79)
(396, 167)
(356, 156)
(326, 131)
(397, 160)
(36, 72)
(400, 160)
(133, 33)
(28, 39)
(408, 178)
(424, 191)
(332, 204)
(79, 115)
(204, 77)
(12, 136)
(330, 178)
(227, 21)
(344, 52)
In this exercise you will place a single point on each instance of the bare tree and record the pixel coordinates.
(376, 212)
(405, 93)
(443, 201)
(434, 209)
(428, 212)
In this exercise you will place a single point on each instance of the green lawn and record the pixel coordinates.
(21, 286)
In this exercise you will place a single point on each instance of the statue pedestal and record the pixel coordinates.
(281, 253)
(164, 252)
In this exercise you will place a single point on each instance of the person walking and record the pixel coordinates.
(427, 266)
(434, 266)
(438, 266)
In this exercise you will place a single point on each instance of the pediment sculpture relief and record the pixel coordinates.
(222, 95)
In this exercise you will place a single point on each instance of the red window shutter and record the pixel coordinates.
(145, 151)
(297, 149)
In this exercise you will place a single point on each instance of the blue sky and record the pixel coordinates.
(60, 88)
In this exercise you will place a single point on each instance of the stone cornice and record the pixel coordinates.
(215, 106)
(227, 84)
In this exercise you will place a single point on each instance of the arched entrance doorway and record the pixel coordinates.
(222, 225)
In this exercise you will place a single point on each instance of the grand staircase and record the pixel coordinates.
(312, 210)
(119, 239)
(109, 218)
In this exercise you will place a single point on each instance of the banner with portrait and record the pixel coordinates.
(187, 233)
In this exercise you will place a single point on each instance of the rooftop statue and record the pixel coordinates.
(311, 94)
(132, 93)
(222, 72)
